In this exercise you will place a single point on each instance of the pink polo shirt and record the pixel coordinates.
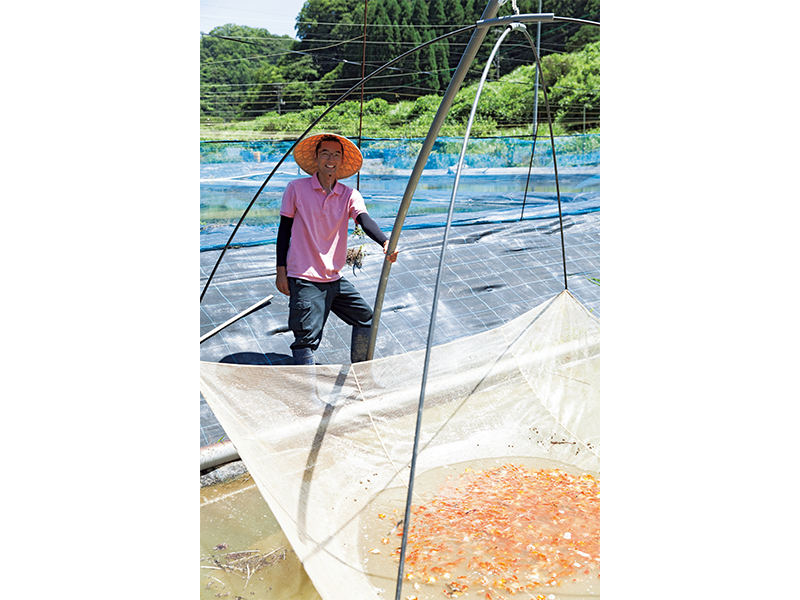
(318, 247)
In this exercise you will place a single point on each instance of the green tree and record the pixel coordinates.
(427, 56)
(233, 58)
(301, 89)
(577, 92)
(315, 30)
(437, 16)
(246, 71)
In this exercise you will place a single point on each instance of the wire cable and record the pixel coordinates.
(553, 149)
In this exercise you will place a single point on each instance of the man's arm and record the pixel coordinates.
(371, 228)
(281, 252)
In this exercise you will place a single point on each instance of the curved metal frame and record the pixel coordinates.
(447, 100)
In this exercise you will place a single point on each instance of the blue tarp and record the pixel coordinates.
(496, 180)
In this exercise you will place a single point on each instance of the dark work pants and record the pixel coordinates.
(310, 303)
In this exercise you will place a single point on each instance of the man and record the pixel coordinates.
(312, 246)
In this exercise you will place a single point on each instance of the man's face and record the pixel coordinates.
(329, 158)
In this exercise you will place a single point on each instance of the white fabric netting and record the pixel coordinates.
(330, 446)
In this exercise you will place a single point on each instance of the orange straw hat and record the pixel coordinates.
(305, 154)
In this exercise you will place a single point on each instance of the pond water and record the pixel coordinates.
(381, 539)
(243, 552)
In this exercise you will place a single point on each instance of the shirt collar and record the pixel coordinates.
(318, 186)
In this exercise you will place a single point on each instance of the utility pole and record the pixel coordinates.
(361, 111)
(536, 86)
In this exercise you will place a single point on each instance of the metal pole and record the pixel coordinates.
(531, 18)
(241, 315)
(432, 326)
(447, 101)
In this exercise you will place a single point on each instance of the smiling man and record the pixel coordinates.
(312, 246)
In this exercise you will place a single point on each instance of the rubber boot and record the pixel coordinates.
(359, 342)
(303, 356)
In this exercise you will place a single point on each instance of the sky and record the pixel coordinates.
(276, 16)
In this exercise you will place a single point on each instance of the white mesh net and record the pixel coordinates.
(330, 445)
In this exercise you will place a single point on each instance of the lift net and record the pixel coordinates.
(330, 449)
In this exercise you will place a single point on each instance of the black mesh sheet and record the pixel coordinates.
(492, 274)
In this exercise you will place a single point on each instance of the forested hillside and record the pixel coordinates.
(234, 60)
(246, 72)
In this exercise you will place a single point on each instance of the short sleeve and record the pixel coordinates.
(288, 202)
(357, 205)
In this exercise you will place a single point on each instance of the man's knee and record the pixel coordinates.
(351, 307)
(306, 313)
